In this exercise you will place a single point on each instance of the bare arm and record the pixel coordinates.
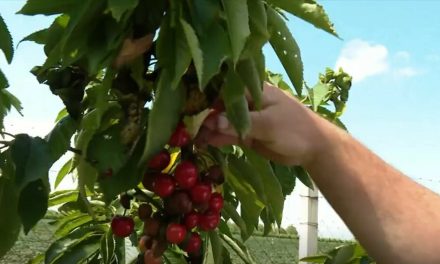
(395, 219)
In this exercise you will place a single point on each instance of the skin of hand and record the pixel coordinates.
(394, 218)
(282, 117)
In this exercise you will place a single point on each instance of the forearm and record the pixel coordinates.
(396, 219)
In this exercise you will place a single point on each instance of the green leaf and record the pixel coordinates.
(251, 205)
(87, 174)
(310, 11)
(126, 178)
(61, 197)
(6, 44)
(277, 80)
(344, 254)
(60, 136)
(250, 75)
(63, 172)
(120, 7)
(120, 250)
(69, 226)
(39, 37)
(229, 210)
(9, 221)
(61, 114)
(48, 7)
(286, 49)
(80, 252)
(217, 247)
(317, 94)
(33, 203)
(268, 220)
(173, 53)
(107, 247)
(237, 18)
(240, 249)
(204, 14)
(258, 17)
(272, 187)
(233, 94)
(194, 47)
(3, 84)
(215, 49)
(57, 249)
(107, 151)
(303, 176)
(32, 158)
(315, 259)
(193, 123)
(286, 178)
(164, 115)
(172, 257)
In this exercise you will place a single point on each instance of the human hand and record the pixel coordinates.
(284, 130)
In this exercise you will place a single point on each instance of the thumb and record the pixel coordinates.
(222, 125)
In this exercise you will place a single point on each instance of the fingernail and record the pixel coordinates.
(222, 122)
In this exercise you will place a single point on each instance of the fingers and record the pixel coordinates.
(259, 126)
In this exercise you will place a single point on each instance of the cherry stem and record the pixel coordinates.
(125, 212)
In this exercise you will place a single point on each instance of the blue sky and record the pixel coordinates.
(391, 47)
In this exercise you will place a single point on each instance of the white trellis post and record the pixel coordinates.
(308, 227)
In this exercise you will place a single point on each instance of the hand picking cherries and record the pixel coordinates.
(185, 202)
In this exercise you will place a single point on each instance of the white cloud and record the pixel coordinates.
(362, 59)
(406, 72)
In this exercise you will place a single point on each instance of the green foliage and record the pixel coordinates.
(128, 72)
(310, 11)
(10, 221)
(351, 253)
(6, 44)
(286, 49)
(7, 100)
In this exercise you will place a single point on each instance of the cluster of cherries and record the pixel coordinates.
(190, 205)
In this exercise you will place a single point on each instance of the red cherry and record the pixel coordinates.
(216, 202)
(150, 258)
(125, 200)
(163, 185)
(209, 221)
(192, 220)
(175, 233)
(145, 243)
(186, 174)
(178, 203)
(194, 243)
(215, 175)
(160, 161)
(144, 211)
(180, 137)
(151, 227)
(147, 181)
(201, 193)
(122, 226)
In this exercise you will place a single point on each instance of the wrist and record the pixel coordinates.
(322, 142)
